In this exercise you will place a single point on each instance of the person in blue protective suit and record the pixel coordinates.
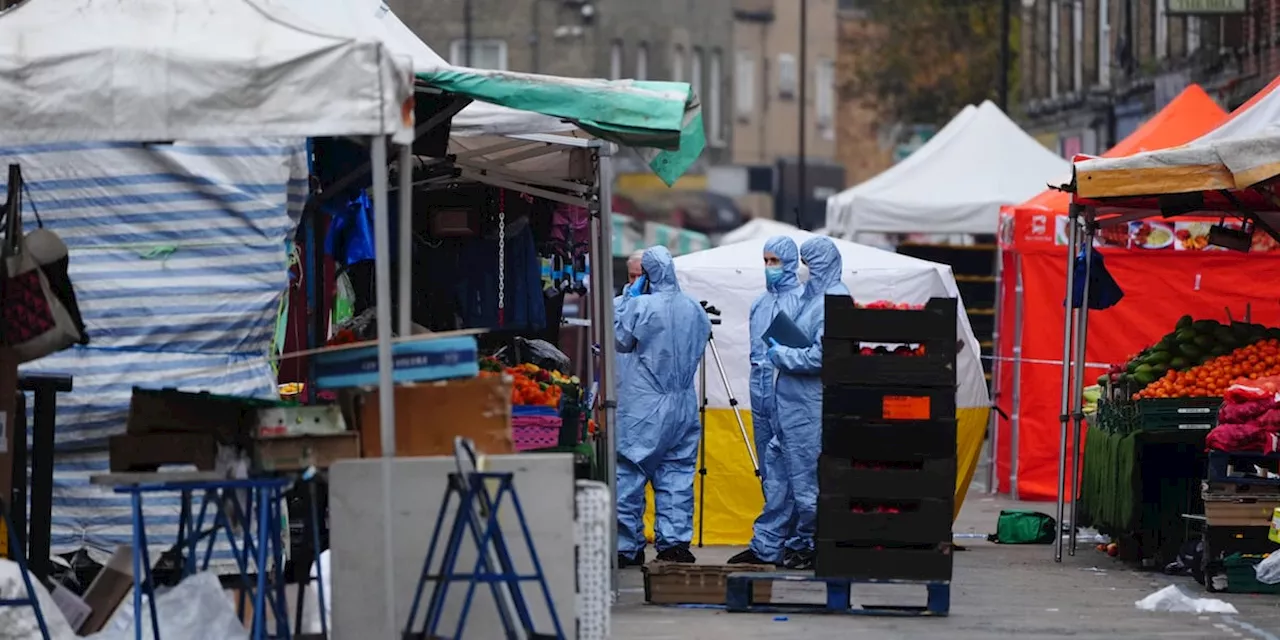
(799, 395)
(666, 332)
(776, 522)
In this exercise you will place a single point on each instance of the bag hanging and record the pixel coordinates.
(34, 319)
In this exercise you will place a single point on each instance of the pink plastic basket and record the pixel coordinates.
(529, 437)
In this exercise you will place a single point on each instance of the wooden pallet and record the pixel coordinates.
(740, 590)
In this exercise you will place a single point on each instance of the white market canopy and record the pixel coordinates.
(1241, 153)
(163, 70)
(758, 229)
(955, 183)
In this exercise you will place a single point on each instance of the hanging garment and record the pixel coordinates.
(477, 289)
(1104, 293)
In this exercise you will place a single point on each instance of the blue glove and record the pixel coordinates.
(772, 353)
(637, 288)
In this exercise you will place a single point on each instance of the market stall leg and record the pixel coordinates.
(405, 195)
(1064, 417)
(997, 367)
(1015, 422)
(1078, 392)
(386, 385)
(602, 285)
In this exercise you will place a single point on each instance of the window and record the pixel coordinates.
(713, 104)
(1077, 46)
(1161, 32)
(1104, 43)
(677, 64)
(615, 61)
(1193, 34)
(787, 78)
(485, 54)
(695, 72)
(744, 83)
(1055, 41)
(825, 100)
(642, 61)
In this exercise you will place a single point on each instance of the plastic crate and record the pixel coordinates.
(838, 558)
(1241, 578)
(897, 404)
(1178, 414)
(917, 478)
(1117, 416)
(934, 326)
(851, 437)
(844, 363)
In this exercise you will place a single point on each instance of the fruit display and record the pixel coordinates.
(889, 304)
(1091, 396)
(1250, 412)
(1192, 343)
(532, 385)
(1214, 376)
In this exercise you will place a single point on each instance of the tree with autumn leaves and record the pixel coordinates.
(921, 61)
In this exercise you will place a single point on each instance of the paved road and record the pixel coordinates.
(998, 592)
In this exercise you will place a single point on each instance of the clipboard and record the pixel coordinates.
(785, 332)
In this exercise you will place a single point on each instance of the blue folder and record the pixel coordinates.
(785, 332)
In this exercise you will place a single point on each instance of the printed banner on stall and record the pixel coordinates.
(1048, 230)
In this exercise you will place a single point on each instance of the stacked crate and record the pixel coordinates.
(887, 472)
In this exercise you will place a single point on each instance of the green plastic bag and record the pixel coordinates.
(1017, 526)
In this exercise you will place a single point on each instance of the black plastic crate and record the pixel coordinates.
(882, 562)
(847, 437)
(1221, 463)
(872, 521)
(916, 478)
(845, 362)
(934, 326)
(888, 403)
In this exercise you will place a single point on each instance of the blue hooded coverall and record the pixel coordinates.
(658, 429)
(776, 522)
(799, 387)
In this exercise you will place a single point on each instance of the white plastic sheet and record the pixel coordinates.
(1171, 599)
(196, 609)
(19, 623)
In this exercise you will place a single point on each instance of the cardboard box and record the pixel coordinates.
(430, 415)
(296, 453)
(1240, 512)
(74, 609)
(672, 583)
(109, 589)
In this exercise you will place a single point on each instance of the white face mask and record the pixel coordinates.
(803, 272)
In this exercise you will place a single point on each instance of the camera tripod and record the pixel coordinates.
(713, 315)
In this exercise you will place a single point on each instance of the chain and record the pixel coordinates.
(502, 255)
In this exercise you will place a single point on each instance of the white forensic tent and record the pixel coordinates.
(962, 177)
(730, 277)
(758, 228)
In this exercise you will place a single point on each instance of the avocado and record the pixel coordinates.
(1205, 342)
(1142, 368)
(1132, 366)
(1273, 333)
(1157, 357)
(1220, 350)
(1190, 350)
(1159, 369)
(1179, 363)
(1184, 322)
(1240, 330)
(1102, 379)
(1205, 325)
(1144, 377)
(1185, 335)
(1224, 335)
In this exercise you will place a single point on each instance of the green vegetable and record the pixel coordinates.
(1179, 363)
(1190, 350)
(1184, 322)
(1144, 377)
(1158, 357)
(1186, 335)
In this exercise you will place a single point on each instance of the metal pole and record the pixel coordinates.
(467, 22)
(406, 239)
(1016, 418)
(386, 385)
(1064, 417)
(1082, 338)
(801, 169)
(1005, 54)
(997, 369)
(603, 285)
(702, 446)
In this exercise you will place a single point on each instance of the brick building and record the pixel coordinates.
(1093, 70)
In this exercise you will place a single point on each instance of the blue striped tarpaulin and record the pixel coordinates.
(178, 258)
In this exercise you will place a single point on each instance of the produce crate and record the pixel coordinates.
(934, 326)
(673, 583)
(918, 477)
(1238, 511)
(871, 522)
(1241, 577)
(1116, 416)
(895, 404)
(843, 362)
(1178, 414)
(1237, 467)
(850, 437)
(838, 558)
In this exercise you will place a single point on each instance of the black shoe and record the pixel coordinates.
(636, 560)
(748, 557)
(679, 553)
(798, 560)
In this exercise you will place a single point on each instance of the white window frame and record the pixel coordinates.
(1104, 43)
(714, 103)
(1077, 46)
(677, 63)
(695, 71)
(642, 61)
(458, 53)
(788, 76)
(825, 98)
(615, 60)
(1193, 33)
(744, 84)
(1055, 41)
(1162, 31)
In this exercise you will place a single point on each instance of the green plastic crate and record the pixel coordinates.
(1178, 414)
(1116, 416)
(1241, 578)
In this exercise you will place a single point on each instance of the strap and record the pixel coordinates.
(27, 193)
